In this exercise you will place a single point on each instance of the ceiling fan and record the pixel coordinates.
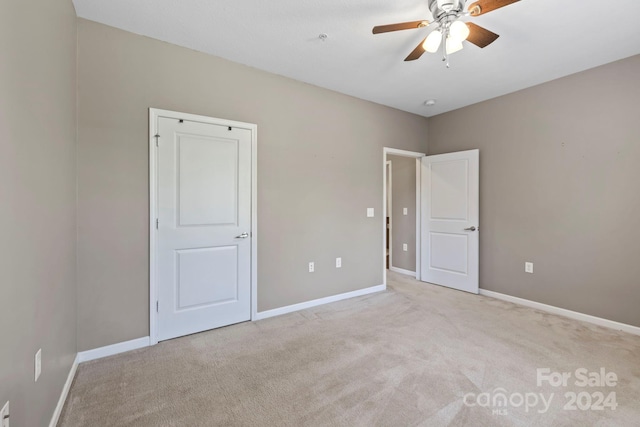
(451, 31)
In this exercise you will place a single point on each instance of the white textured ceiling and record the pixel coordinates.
(541, 40)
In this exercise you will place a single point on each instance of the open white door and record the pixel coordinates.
(450, 218)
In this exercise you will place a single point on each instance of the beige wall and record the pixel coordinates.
(37, 207)
(319, 169)
(403, 187)
(559, 186)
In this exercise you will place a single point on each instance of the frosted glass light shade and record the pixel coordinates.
(453, 45)
(459, 31)
(432, 43)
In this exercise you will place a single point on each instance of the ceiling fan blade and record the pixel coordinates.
(401, 26)
(485, 6)
(417, 52)
(480, 36)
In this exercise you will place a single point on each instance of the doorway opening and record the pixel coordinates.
(401, 217)
(445, 189)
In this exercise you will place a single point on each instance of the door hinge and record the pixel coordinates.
(157, 307)
(157, 223)
(157, 137)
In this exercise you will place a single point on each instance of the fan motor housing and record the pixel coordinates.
(439, 8)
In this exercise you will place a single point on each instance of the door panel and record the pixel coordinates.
(208, 180)
(204, 206)
(450, 218)
(206, 277)
(450, 190)
(448, 252)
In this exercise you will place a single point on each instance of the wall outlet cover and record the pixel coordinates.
(370, 212)
(312, 267)
(405, 211)
(338, 262)
(404, 247)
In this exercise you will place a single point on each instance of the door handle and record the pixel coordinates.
(243, 236)
(472, 228)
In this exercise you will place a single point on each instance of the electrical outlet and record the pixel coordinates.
(404, 247)
(405, 211)
(4, 415)
(312, 267)
(370, 212)
(338, 262)
(38, 363)
(528, 267)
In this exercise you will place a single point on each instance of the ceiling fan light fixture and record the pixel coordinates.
(453, 45)
(432, 42)
(459, 31)
(449, 18)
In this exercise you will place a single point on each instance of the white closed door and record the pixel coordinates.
(450, 220)
(204, 226)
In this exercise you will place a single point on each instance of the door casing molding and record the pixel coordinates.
(386, 213)
(154, 115)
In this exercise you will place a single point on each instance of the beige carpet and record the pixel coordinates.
(404, 357)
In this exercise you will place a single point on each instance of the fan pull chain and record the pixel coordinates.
(445, 57)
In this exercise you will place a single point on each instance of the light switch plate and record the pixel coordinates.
(404, 247)
(405, 211)
(370, 212)
(338, 262)
(528, 267)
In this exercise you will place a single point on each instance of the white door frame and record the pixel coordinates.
(154, 115)
(403, 153)
(389, 202)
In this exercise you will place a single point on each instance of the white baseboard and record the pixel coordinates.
(65, 392)
(564, 312)
(320, 301)
(402, 271)
(110, 350)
